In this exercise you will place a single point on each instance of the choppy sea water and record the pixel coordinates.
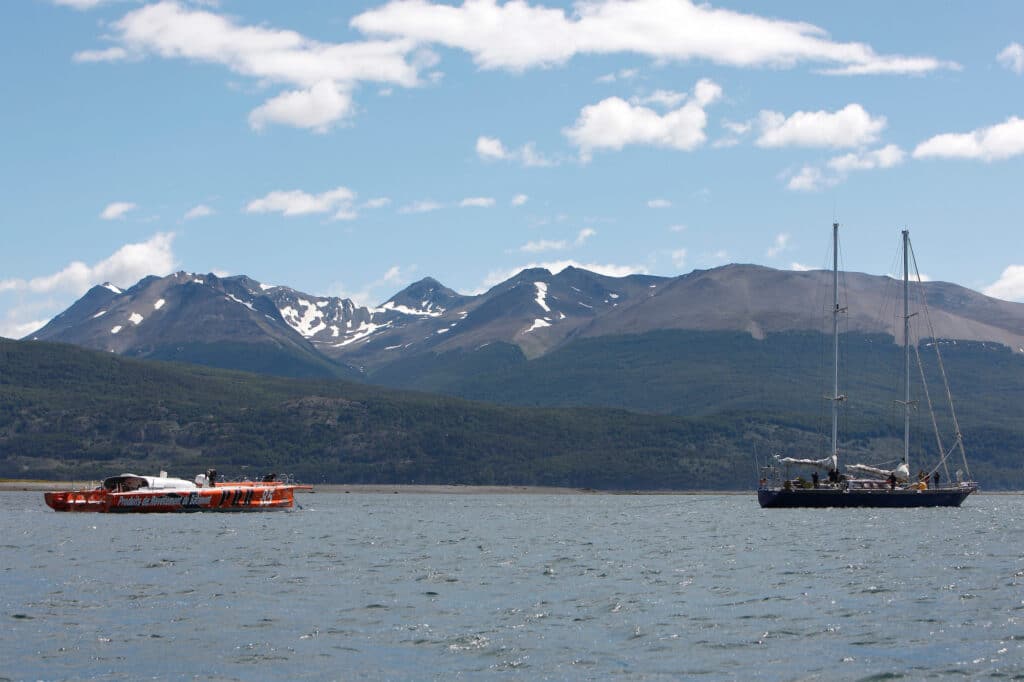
(420, 587)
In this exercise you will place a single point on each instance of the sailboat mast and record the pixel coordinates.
(906, 349)
(835, 342)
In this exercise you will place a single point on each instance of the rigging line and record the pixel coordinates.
(942, 370)
(931, 412)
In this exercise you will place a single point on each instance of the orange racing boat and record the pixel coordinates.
(143, 494)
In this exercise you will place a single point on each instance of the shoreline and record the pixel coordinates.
(10, 485)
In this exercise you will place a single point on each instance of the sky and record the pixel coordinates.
(351, 148)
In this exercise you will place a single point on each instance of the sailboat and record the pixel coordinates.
(861, 485)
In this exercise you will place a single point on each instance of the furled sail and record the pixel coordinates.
(829, 463)
(902, 473)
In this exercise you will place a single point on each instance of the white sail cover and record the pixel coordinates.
(830, 462)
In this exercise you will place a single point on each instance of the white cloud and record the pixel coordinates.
(117, 210)
(851, 126)
(519, 199)
(516, 36)
(395, 276)
(813, 178)
(200, 211)
(679, 258)
(810, 179)
(780, 244)
(669, 99)
(995, 143)
(1012, 57)
(621, 74)
(585, 234)
(799, 267)
(317, 108)
(543, 245)
(111, 54)
(1009, 286)
(608, 270)
(659, 203)
(321, 75)
(493, 149)
(296, 202)
(376, 202)
(886, 157)
(614, 123)
(79, 4)
(477, 202)
(421, 207)
(124, 267)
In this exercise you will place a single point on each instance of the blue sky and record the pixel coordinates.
(350, 148)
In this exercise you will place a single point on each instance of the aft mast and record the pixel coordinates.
(836, 398)
(906, 349)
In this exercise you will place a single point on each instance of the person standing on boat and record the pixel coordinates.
(935, 478)
(814, 478)
(892, 481)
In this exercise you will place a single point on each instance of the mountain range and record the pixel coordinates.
(240, 323)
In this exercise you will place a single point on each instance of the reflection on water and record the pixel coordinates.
(524, 586)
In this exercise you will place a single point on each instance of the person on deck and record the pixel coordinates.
(935, 479)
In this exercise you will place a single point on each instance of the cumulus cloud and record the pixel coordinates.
(799, 267)
(296, 202)
(477, 202)
(554, 267)
(124, 267)
(780, 244)
(585, 234)
(79, 4)
(200, 211)
(111, 54)
(669, 99)
(886, 157)
(493, 149)
(1009, 286)
(851, 126)
(614, 123)
(813, 178)
(679, 258)
(621, 74)
(317, 108)
(995, 143)
(421, 207)
(1012, 57)
(117, 210)
(516, 36)
(519, 199)
(321, 75)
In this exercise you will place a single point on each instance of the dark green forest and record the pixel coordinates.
(72, 414)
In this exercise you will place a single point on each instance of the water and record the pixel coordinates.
(523, 587)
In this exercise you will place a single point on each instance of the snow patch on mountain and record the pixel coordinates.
(159, 304)
(537, 324)
(309, 322)
(427, 311)
(364, 330)
(116, 329)
(108, 285)
(542, 293)
(229, 297)
(135, 318)
(268, 287)
(99, 314)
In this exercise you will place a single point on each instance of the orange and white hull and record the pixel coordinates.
(223, 497)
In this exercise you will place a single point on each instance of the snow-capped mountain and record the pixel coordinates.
(242, 323)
